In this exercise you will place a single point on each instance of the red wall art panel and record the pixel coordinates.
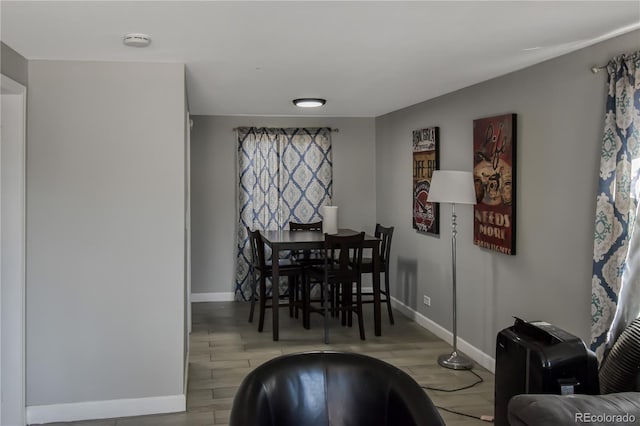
(494, 170)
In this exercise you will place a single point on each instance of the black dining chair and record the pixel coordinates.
(306, 257)
(313, 226)
(340, 271)
(384, 234)
(261, 270)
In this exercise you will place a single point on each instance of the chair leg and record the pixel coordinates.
(263, 302)
(292, 293)
(344, 303)
(299, 288)
(350, 306)
(306, 308)
(359, 308)
(253, 294)
(388, 297)
(335, 300)
(326, 313)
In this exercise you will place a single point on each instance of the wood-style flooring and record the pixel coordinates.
(225, 347)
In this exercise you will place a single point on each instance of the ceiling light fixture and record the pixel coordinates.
(309, 102)
(136, 40)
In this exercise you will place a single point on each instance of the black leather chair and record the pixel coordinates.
(331, 388)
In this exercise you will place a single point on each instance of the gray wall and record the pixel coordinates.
(105, 235)
(13, 65)
(213, 189)
(560, 107)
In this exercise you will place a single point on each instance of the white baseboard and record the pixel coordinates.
(37, 414)
(213, 297)
(474, 353)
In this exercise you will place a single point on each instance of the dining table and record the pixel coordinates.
(285, 240)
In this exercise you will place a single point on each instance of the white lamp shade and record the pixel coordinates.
(452, 186)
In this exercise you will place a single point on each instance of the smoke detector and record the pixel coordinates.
(136, 40)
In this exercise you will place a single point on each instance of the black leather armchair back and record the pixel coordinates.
(331, 388)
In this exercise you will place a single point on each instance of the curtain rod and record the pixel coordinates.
(332, 129)
(597, 68)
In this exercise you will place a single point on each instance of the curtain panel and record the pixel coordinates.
(284, 174)
(614, 264)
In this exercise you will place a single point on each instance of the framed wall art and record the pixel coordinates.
(426, 160)
(494, 173)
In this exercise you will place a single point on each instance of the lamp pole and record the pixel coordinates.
(454, 232)
(454, 360)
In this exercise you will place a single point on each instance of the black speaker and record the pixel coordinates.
(537, 357)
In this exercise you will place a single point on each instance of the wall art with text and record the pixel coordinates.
(425, 161)
(494, 172)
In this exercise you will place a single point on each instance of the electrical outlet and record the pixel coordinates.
(427, 300)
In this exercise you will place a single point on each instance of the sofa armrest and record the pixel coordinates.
(557, 410)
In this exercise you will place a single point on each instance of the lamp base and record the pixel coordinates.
(455, 361)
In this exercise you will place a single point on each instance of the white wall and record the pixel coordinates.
(560, 108)
(105, 226)
(12, 251)
(213, 188)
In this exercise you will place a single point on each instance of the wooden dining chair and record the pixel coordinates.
(313, 226)
(384, 234)
(307, 257)
(261, 270)
(340, 271)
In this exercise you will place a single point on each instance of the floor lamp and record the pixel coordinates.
(453, 187)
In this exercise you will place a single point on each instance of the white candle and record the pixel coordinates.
(330, 219)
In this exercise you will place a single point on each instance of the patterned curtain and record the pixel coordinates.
(284, 175)
(614, 265)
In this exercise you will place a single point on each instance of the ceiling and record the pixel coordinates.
(367, 58)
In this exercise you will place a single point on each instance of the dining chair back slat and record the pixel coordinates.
(385, 234)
